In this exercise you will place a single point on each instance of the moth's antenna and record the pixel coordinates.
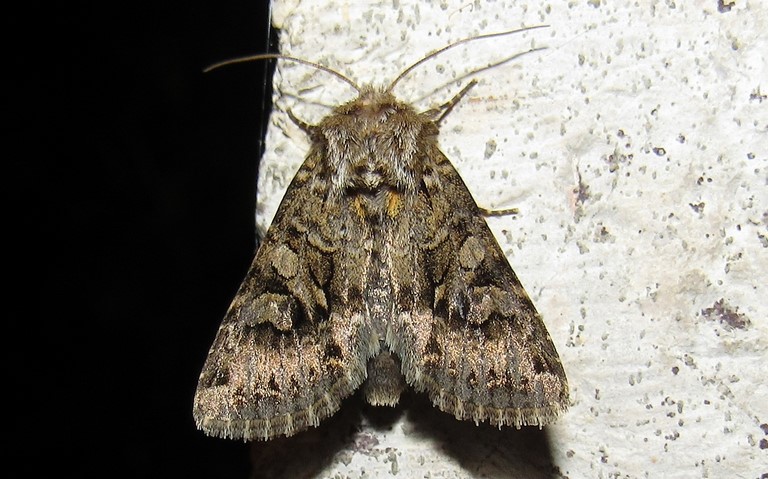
(460, 42)
(269, 56)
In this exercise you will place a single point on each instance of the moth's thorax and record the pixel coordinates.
(372, 144)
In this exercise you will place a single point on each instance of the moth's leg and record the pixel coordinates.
(504, 212)
(300, 123)
(448, 106)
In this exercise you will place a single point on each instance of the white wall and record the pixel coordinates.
(651, 280)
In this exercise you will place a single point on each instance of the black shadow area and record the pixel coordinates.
(483, 450)
(306, 454)
(132, 222)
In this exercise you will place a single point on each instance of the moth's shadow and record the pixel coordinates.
(482, 451)
(309, 452)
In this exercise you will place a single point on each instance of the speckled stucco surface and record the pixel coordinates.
(636, 149)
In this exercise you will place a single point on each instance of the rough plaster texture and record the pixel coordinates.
(635, 147)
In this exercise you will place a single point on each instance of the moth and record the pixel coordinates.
(377, 272)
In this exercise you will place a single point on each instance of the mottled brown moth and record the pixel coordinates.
(378, 270)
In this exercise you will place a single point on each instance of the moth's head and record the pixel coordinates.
(371, 142)
(372, 103)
